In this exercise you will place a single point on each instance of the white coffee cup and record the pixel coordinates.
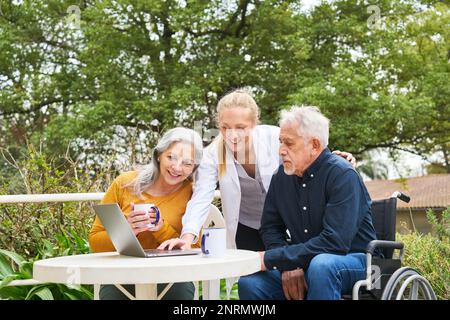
(213, 242)
(146, 207)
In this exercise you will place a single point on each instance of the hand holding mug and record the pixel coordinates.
(144, 217)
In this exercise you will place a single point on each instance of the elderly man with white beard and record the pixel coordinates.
(321, 201)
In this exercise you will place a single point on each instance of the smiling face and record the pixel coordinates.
(236, 125)
(297, 152)
(177, 163)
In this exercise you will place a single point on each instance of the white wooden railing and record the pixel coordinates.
(51, 197)
(55, 197)
(59, 197)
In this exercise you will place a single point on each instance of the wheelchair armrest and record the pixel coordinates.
(383, 244)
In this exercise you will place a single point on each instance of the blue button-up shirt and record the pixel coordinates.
(327, 210)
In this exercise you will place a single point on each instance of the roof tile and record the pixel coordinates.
(432, 191)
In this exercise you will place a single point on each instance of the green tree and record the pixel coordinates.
(100, 87)
(384, 87)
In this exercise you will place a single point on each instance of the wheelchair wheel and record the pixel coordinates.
(407, 284)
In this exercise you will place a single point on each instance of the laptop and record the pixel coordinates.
(123, 238)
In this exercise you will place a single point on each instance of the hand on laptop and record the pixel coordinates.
(176, 243)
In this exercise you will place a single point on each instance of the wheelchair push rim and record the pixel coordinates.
(409, 281)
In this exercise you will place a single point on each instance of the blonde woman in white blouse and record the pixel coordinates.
(242, 159)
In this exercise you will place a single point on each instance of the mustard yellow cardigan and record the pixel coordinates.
(171, 207)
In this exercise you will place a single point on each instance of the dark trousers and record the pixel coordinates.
(178, 291)
(248, 238)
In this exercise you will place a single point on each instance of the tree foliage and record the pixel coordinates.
(100, 83)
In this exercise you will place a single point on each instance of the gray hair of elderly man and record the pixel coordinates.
(310, 121)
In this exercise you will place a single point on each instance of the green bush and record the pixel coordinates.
(430, 253)
(44, 230)
(29, 228)
(14, 267)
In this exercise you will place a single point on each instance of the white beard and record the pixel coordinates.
(289, 172)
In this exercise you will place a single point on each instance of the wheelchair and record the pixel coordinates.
(386, 278)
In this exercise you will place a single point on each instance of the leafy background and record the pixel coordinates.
(131, 69)
(80, 102)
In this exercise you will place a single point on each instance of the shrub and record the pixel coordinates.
(44, 230)
(26, 228)
(430, 254)
(15, 267)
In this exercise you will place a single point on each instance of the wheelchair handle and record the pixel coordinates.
(401, 196)
(374, 244)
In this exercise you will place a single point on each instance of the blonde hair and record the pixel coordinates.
(240, 98)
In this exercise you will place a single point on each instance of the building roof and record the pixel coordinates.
(431, 191)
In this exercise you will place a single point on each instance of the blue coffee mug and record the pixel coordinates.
(157, 214)
(203, 246)
(213, 243)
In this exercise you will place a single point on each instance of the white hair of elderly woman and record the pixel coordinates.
(310, 121)
(148, 174)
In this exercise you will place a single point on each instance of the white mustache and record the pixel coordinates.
(234, 142)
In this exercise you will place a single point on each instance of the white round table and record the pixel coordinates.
(146, 273)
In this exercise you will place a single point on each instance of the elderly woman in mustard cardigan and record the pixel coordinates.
(165, 182)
